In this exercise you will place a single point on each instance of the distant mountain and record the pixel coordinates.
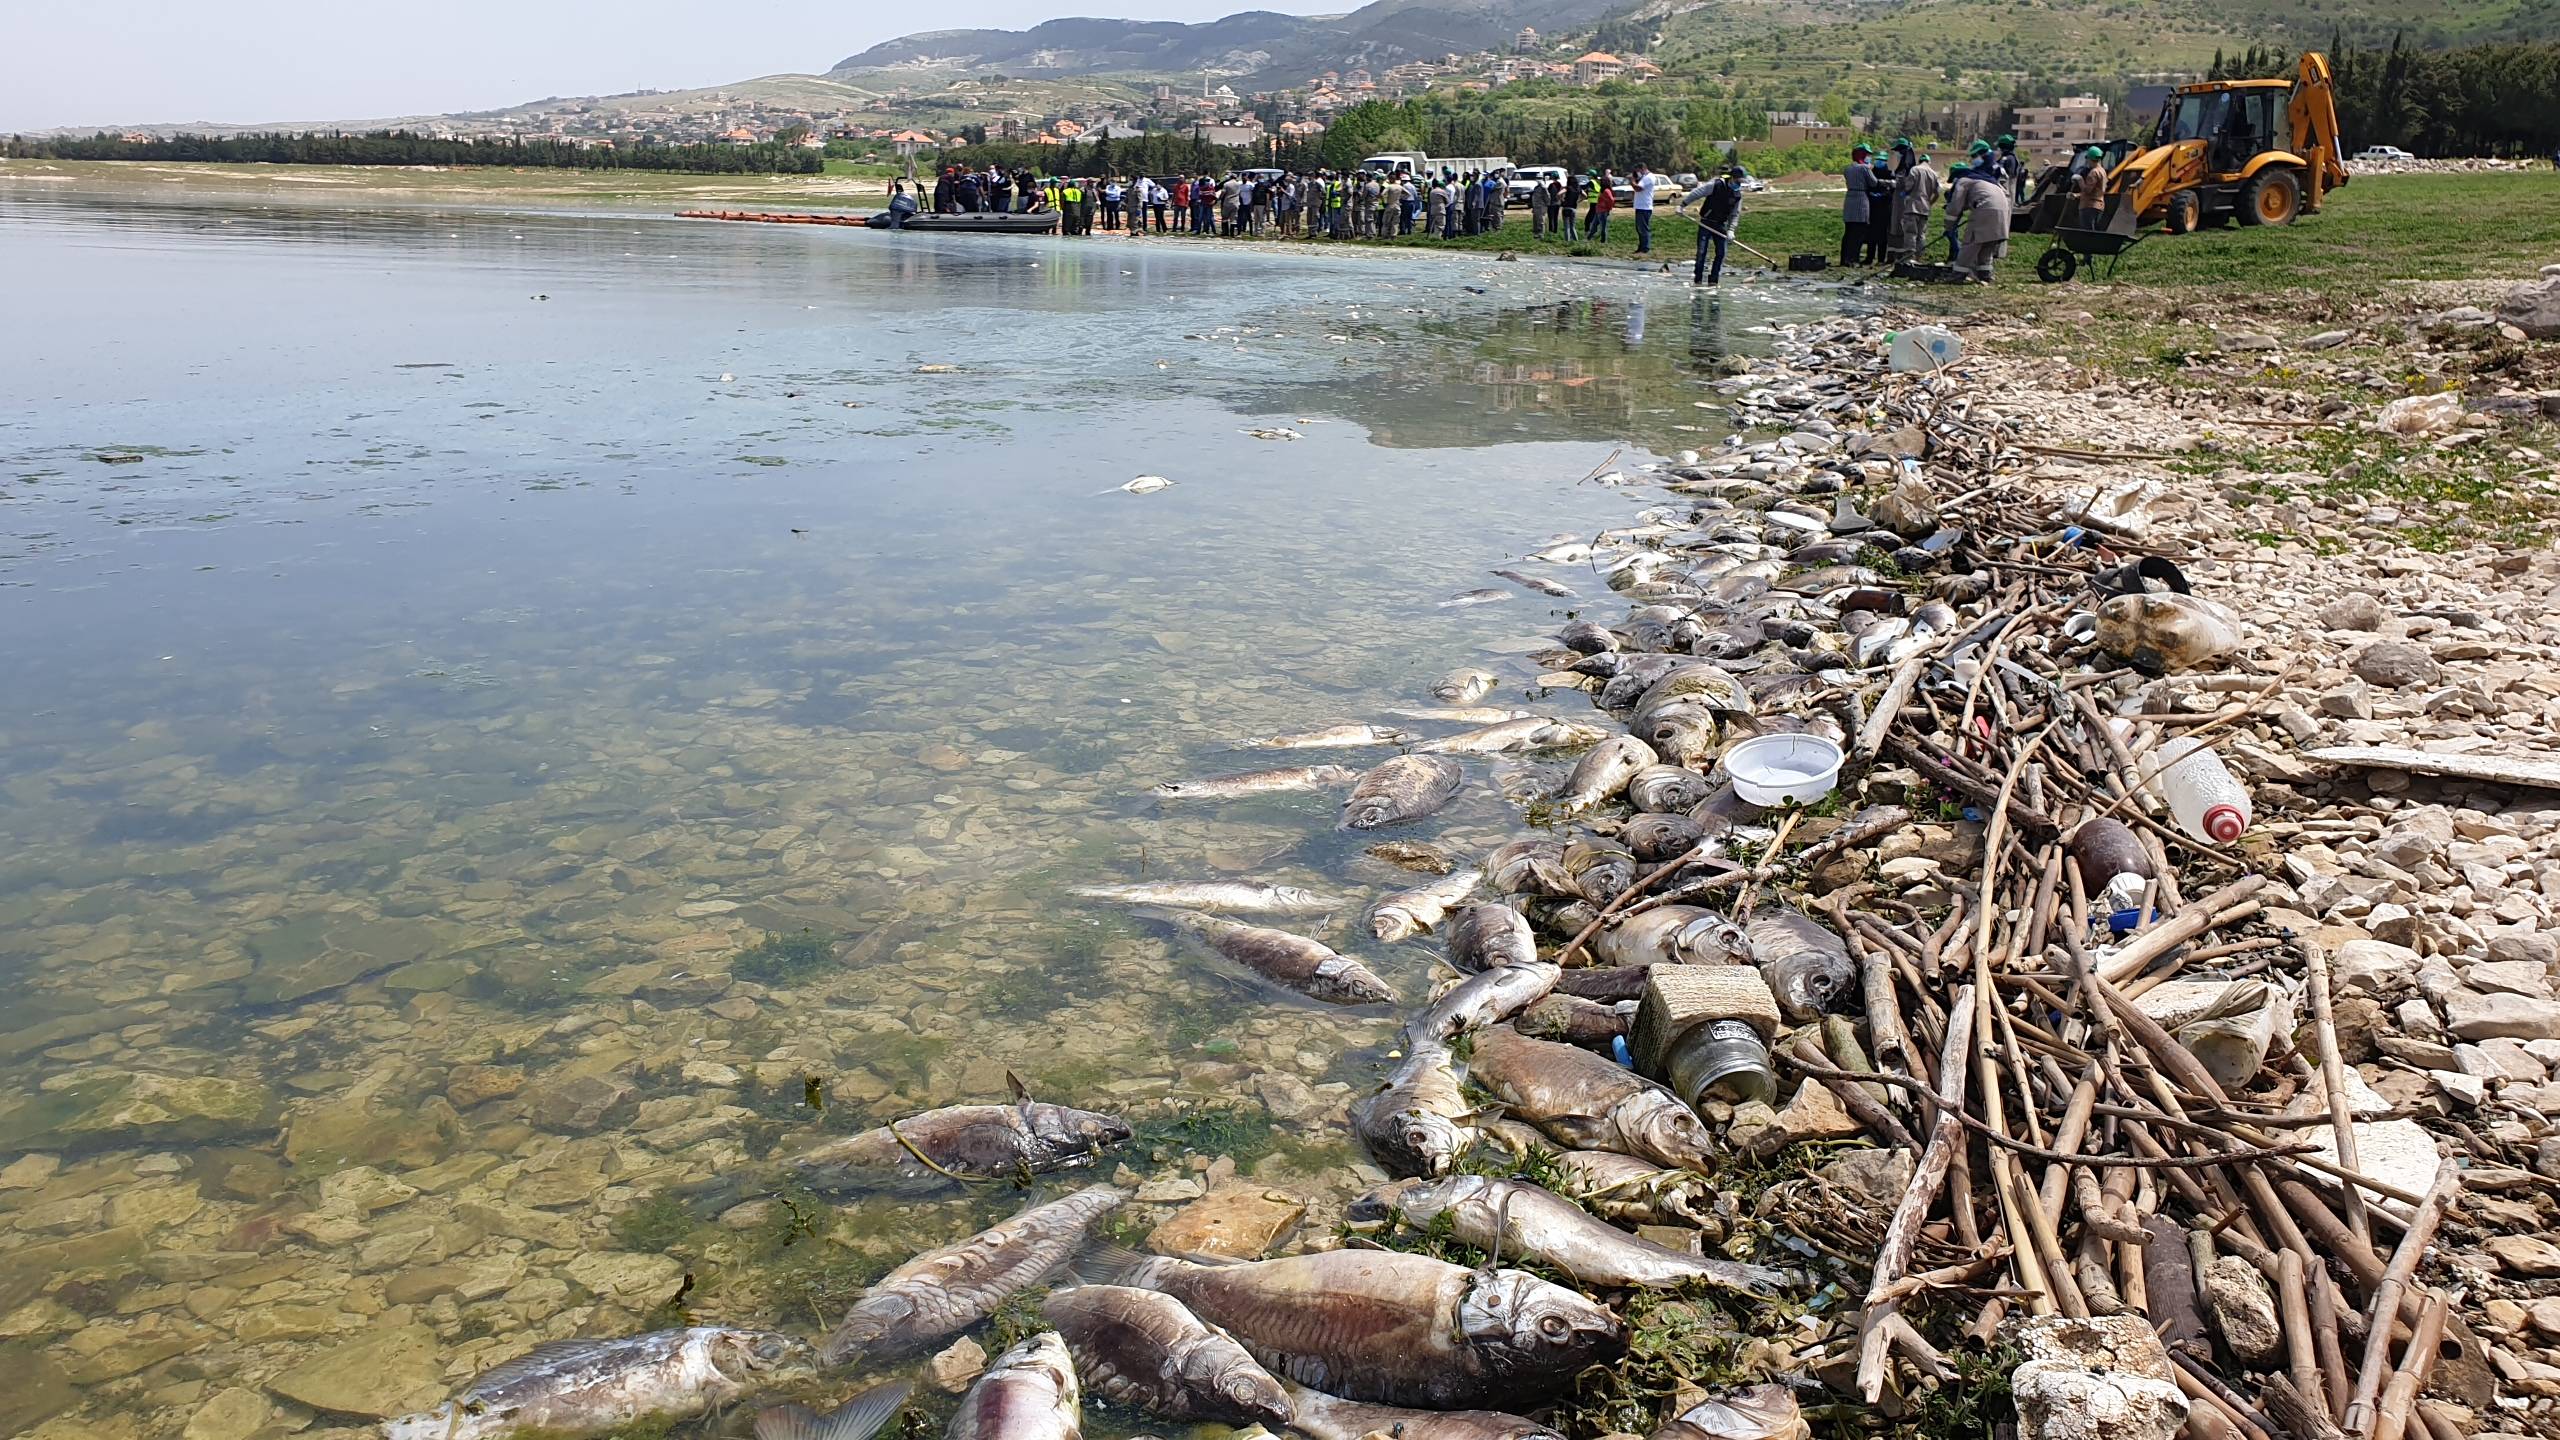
(1251, 44)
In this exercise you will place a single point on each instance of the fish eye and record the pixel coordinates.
(1553, 1327)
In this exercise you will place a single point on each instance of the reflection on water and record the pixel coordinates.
(442, 642)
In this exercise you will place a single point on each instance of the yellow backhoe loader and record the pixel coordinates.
(2257, 151)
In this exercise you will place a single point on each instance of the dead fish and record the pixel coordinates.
(1636, 673)
(1271, 432)
(1258, 782)
(1329, 1417)
(1632, 1191)
(1586, 1102)
(1464, 687)
(1413, 855)
(1487, 997)
(1411, 1124)
(1529, 866)
(1461, 714)
(1544, 1226)
(1403, 1329)
(1667, 790)
(1475, 597)
(1805, 961)
(1029, 1393)
(1587, 637)
(942, 1292)
(1572, 1020)
(1223, 896)
(1825, 578)
(1603, 773)
(1529, 732)
(1143, 485)
(1826, 552)
(1567, 552)
(1532, 582)
(1563, 917)
(1710, 685)
(1481, 937)
(1309, 967)
(1410, 912)
(856, 1419)
(1759, 1412)
(1332, 737)
(1657, 838)
(1142, 1349)
(937, 1150)
(1686, 737)
(1403, 789)
(591, 1387)
(1605, 983)
(1601, 871)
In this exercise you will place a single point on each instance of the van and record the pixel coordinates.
(1528, 177)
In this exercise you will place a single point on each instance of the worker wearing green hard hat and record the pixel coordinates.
(2093, 153)
(2013, 171)
(2089, 189)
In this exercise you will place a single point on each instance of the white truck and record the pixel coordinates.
(1525, 178)
(1429, 167)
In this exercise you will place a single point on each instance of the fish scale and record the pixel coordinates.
(941, 1292)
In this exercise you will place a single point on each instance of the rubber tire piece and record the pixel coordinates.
(2057, 265)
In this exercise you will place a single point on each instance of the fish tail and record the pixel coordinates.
(856, 1419)
(1108, 1263)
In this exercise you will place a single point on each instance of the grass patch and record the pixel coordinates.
(1015, 1319)
(1245, 1134)
(655, 1225)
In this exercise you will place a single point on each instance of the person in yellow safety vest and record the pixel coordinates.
(1073, 196)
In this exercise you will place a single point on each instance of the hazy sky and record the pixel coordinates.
(139, 62)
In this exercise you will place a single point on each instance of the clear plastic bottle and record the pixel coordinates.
(2208, 802)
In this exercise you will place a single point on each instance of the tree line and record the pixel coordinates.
(402, 147)
(2496, 99)
(1155, 153)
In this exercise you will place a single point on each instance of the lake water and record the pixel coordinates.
(439, 642)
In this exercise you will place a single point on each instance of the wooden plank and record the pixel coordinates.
(2541, 771)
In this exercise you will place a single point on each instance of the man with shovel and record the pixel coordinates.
(1719, 204)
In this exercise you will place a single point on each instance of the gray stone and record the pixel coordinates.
(2372, 967)
(577, 1102)
(2534, 308)
(230, 1415)
(2354, 610)
(2510, 977)
(2395, 663)
(1877, 1176)
(2103, 1378)
(2327, 340)
(2530, 1256)
(375, 1376)
(2523, 946)
(138, 1108)
(2243, 1310)
(2473, 1016)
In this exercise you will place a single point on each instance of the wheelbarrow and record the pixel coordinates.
(2075, 245)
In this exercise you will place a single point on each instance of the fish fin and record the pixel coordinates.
(857, 1419)
(1106, 1263)
(1021, 1092)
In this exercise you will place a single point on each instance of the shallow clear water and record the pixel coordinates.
(439, 642)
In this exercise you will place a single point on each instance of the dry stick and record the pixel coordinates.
(2285, 1404)
(2391, 1419)
(2339, 1242)
(2161, 1161)
(2202, 1384)
(2300, 1353)
(1861, 1106)
(1897, 692)
(1904, 1229)
(2333, 1079)
(2222, 907)
(2359, 1419)
(1885, 1033)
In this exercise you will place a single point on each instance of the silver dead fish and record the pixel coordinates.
(1310, 967)
(942, 1292)
(1142, 1349)
(1412, 1124)
(1332, 737)
(1460, 714)
(1227, 896)
(1481, 937)
(1603, 773)
(1402, 1329)
(1533, 582)
(1405, 788)
(1487, 997)
(1330, 1417)
(1522, 1218)
(1586, 1102)
(1410, 912)
(1464, 687)
(590, 1387)
(937, 1150)
(1258, 782)
(1475, 597)
(1505, 737)
(1029, 1393)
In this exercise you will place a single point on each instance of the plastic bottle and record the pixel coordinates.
(1923, 347)
(2209, 803)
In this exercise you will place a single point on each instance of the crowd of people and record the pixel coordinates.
(1355, 204)
(1891, 195)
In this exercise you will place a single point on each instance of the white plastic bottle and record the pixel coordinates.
(1924, 347)
(2208, 802)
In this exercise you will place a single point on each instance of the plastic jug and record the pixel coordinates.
(1923, 347)
(2160, 633)
(2208, 803)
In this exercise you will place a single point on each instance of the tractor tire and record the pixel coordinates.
(2185, 209)
(2272, 197)
(2057, 265)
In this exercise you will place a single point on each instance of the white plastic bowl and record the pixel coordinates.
(1786, 769)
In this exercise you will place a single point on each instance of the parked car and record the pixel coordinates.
(1526, 176)
(2383, 152)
